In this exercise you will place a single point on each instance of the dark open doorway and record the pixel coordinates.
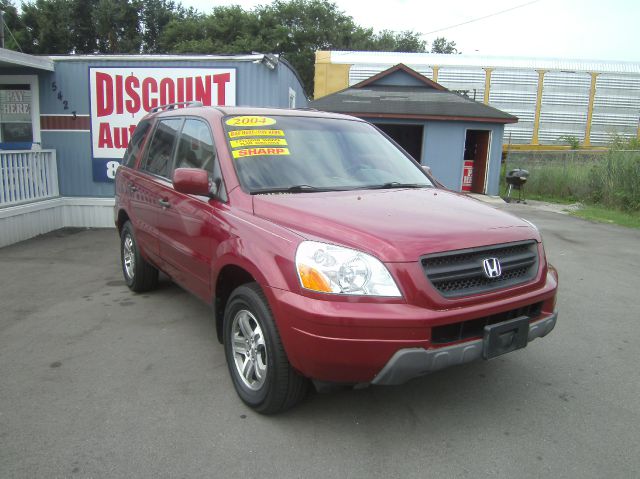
(408, 137)
(476, 159)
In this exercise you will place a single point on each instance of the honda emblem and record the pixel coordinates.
(492, 268)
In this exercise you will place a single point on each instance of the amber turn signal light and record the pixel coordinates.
(312, 279)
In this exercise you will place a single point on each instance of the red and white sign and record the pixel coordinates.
(467, 175)
(120, 97)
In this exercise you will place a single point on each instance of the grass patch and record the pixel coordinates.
(606, 182)
(606, 215)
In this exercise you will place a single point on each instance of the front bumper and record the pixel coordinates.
(409, 363)
(352, 342)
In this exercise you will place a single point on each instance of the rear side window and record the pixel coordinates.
(133, 150)
(159, 157)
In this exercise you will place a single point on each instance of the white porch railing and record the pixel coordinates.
(27, 176)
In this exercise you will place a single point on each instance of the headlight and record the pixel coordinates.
(328, 268)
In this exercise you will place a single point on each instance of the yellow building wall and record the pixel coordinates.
(329, 77)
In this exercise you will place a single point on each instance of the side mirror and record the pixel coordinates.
(192, 181)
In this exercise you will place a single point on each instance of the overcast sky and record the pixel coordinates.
(587, 29)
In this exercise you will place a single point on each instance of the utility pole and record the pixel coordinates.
(1, 29)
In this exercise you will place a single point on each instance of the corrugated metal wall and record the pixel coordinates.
(616, 106)
(566, 90)
(256, 86)
(515, 91)
(565, 101)
(466, 80)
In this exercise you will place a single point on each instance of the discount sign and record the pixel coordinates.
(120, 97)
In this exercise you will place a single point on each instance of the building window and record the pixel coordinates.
(15, 114)
(19, 112)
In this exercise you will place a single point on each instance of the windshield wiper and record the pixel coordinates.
(396, 184)
(290, 189)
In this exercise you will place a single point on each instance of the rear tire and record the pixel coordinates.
(258, 364)
(139, 275)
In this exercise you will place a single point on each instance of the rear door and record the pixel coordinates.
(152, 179)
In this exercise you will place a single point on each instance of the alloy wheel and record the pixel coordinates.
(128, 256)
(249, 350)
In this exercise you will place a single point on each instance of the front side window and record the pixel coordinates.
(159, 157)
(305, 154)
(196, 149)
(196, 146)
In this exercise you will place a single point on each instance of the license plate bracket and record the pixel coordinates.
(502, 338)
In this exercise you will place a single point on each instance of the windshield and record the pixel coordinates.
(303, 154)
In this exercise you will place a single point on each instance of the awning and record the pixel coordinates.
(11, 59)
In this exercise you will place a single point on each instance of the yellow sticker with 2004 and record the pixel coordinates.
(249, 121)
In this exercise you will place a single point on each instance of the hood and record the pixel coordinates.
(396, 225)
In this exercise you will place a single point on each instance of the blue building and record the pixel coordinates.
(459, 138)
(65, 122)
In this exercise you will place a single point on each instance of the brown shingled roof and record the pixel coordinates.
(429, 102)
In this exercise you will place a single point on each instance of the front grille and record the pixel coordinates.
(461, 273)
(474, 328)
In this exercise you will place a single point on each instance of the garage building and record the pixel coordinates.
(459, 138)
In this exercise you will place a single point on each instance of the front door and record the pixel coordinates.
(193, 226)
(476, 159)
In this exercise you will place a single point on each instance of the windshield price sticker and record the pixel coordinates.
(260, 152)
(237, 133)
(258, 142)
(251, 121)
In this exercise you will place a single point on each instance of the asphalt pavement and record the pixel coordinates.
(97, 382)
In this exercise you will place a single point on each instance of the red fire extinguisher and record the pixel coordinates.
(467, 175)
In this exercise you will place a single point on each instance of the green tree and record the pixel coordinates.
(442, 45)
(155, 16)
(118, 26)
(43, 20)
(233, 30)
(85, 38)
(407, 41)
(225, 30)
(294, 28)
(301, 27)
(15, 25)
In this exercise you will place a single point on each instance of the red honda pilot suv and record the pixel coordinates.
(326, 252)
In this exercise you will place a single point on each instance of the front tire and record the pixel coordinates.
(258, 364)
(139, 275)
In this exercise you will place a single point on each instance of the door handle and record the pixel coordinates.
(133, 188)
(164, 203)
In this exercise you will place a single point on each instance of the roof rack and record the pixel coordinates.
(173, 106)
